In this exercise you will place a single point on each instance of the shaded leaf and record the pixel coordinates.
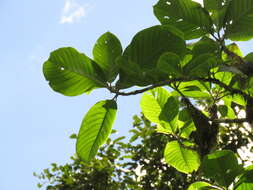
(186, 15)
(222, 166)
(169, 63)
(239, 20)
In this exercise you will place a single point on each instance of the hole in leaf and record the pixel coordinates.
(166, 17)
(62, 68)
(168, 3)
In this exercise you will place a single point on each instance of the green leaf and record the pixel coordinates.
(205, 45)
(239, 20)
(144, 52)
(105, 52)
(73, 136)
(186, 15)
(233, 48)
(222, 166)
(217, 10)
(149, 44)
(245, 181)
(187, 129)
(183, 159)
(249, 57)
(152, 103)
(199, 185)
(95, 129)
(72, 73)
(201, 65)
(226, 111)
(169, 114)
(169, 63)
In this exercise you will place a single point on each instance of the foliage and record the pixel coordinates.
(206, 72)
(134, 164)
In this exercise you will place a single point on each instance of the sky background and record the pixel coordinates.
(35, 121)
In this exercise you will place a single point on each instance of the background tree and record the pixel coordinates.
(210, 87)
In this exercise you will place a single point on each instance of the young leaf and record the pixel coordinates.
(95, 129)
(222, 166)
(71, 73)
(239, 20)
(183, 159)
(152, 103)
(105, 52)
(186, 15)
(199, 185)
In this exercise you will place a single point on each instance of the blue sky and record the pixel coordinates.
(35, 121)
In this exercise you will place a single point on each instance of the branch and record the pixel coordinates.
(232, 54)
(168, 82)
(242, 120)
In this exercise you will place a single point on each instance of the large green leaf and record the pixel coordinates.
(239, 20)
(183, 159)
(201, 65)
(205, 45)
(105, 52)
(149, 44)
(222, 166)
(169, 114)
(152, 103)
(169, 63)
(199, 185)
(144, 50)
(217, 9)
(186, 15)
(245, 181)
(95, 129)
(72, 73)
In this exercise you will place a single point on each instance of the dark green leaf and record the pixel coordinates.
(186, 15)
(239, 20)
(169, 114)
(201, 65)
(245, 181)
(222, 166)
(169, 63)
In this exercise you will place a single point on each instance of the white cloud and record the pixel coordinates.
(72, 12)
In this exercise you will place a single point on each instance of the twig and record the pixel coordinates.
(168, 82)
(242, 120)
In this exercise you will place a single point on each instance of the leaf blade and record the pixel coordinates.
(95, 128)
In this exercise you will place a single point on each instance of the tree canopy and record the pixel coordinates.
(197, 87)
